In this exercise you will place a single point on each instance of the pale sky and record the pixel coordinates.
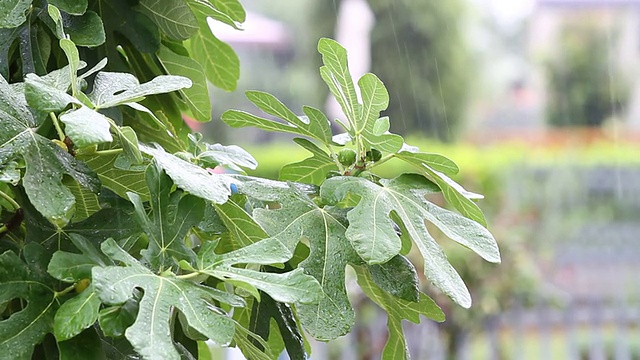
(508, 11)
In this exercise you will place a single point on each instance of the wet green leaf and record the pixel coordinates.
(372, 233)
(336, 75)
(233, 8)
(46, 162)
(117, 180)
(191, 178)
(267, 309)
(290, 287)
(242, 227)
(246, 342)
(86, 127)
(114, 320)
(86, 29)
(173, 17)
(70, 267)
(435, 161)
(86, 346)
(204, 8)
(13, 12)
(112, 89)
(40, 48)
(173, 214)
(150, 334)
(312, 170)
(47, 93)
(74, 7)
(387, 275)
(197, 96)
(128, 139)
(231, 156)
(397, 310)
(374, 100)
(219, 60)
(7, 37)
(20, 333)
(315, 125)
(76, 314)
(10, 173)
(297, 218)
(455, 194)
(119, 17)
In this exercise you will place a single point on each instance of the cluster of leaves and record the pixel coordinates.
(117, 240)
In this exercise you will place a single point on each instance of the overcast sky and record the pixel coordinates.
(508, 11)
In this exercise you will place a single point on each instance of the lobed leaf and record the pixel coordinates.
(150, 334)
(386, 277)
(375, 130)
(397, 310)
(46, 163)
(372, 233)
(260, 323)
(246, 342)
(232, 8)
(49, 93)
(336, 75)
(290, 287)
(298, 218)
(455, 194)
(435, 161)
(117, 180)
(173, 214)
(315, 125)
(87, 203)
(240, 225)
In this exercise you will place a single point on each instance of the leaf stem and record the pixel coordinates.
(189, 275)
(3, 229)
(382, 160)
(65, 291)
(56, 124)
(10, 200)
(334, 157)
(108, 152)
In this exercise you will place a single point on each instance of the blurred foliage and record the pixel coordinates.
(419, 51)
(480, 163)
(289, 71)
(494, 289)
(585, 86)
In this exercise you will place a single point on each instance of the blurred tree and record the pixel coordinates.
(419, 51)
(585, 87)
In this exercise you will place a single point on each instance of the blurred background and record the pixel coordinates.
(538, 101)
